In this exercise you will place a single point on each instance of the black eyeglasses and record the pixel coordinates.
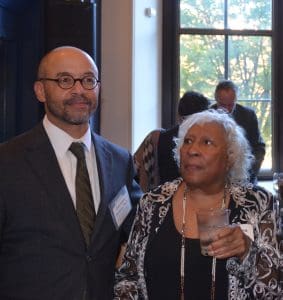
(68, 81)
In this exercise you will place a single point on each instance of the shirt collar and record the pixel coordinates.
(61, 140)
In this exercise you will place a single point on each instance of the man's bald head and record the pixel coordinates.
(57, 54)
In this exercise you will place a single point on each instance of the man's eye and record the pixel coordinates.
(89, 79)
(65, 79)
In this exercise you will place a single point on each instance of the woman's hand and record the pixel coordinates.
(228, 242)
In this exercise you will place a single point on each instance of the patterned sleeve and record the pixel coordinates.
(146, 161)
(129, 282)
(257, 277)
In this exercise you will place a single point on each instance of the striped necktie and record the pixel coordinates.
(84, 201)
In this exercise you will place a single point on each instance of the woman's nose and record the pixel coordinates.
(193, 149)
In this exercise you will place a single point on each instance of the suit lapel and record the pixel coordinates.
(104, 166)
(43, 162)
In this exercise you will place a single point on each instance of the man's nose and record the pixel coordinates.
(78, 86)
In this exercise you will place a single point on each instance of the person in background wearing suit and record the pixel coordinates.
(67, 195)
(226, 96)
(154, 159)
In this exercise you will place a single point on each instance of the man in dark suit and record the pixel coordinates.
(44, 253)
(226, 97)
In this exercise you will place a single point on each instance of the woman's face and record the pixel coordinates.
(203, 155)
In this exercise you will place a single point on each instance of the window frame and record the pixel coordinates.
(170, 71)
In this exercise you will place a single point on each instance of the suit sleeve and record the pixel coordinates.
(135, 194)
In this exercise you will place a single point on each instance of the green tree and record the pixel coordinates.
(248, 63)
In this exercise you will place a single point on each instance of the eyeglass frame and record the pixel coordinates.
(57, 80)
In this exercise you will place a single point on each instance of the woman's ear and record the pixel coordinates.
(39, 91)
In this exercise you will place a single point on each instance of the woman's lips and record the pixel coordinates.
(192, 167)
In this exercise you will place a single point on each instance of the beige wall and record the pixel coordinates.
(130, 70)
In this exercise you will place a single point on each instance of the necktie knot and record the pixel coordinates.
(78, 150)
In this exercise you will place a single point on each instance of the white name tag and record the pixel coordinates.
(120, 207)
(248, 230)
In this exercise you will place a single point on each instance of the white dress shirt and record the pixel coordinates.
(61, 142)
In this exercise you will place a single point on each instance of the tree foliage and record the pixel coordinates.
(206, 58)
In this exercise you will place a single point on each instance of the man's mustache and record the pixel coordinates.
(76, 100)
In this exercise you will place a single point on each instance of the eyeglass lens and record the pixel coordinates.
(67, 81)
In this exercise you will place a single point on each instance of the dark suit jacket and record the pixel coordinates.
(42, 250)
(247, 119)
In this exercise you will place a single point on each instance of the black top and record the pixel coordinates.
(162, 268)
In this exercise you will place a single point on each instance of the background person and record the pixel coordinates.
(154, 159)
(226, 96)
(52, 246)
(214, 158)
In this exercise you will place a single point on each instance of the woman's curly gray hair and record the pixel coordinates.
(239, 153)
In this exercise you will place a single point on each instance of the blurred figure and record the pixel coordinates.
(226, 96)
(154, 158)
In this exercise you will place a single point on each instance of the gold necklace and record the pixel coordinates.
(183, 244)
(183, 249)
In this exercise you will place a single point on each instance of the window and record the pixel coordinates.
(224, 39)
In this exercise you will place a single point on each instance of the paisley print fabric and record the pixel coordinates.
(256, 277)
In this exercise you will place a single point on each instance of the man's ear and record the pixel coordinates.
(39, 91)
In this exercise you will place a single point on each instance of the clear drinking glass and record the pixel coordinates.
(209, 222)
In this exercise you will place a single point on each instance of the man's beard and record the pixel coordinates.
(68, 115)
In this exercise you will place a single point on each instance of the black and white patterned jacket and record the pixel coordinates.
(255, 278)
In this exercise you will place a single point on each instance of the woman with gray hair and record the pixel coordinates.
(163, 258)
(239, 153)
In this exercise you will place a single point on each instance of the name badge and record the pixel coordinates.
(120, 207)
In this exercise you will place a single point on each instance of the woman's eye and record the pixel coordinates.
(187, 141)
(208, 142)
